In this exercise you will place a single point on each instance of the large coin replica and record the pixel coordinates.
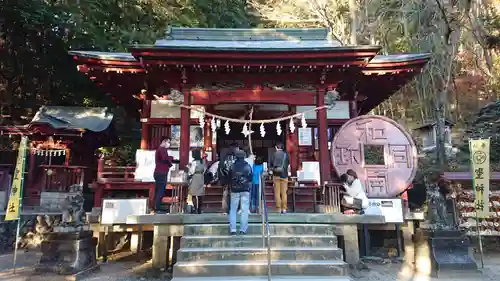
(379, 150)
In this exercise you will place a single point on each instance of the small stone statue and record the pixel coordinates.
(73, 213)
(42, 227)
(437, 214)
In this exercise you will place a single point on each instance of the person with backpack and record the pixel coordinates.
(226, 161)
(279, 170)
(240, 175)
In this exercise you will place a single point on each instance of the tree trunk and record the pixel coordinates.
(353, 10)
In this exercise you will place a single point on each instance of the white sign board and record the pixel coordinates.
(145, 165)
(116, 211)
(339, 111)
(305, 137)
(309, 172)
(391, 209)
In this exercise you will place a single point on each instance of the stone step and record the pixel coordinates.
(264, 278)
(252, 253)
(260, 268)
(256, 228)
(255, 240)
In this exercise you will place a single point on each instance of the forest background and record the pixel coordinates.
(460, 80)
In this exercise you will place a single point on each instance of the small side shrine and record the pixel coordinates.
(62, 145)
(427, 133)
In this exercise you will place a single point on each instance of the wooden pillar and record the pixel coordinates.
(324, 159)
(351, 244)
(160, 246)
(68, 157)
(207, 139)
(145, 128)
(99, 190)
(31, 168)
(292, 146)
(185, 123)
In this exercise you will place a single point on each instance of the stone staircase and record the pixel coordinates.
(298, 251)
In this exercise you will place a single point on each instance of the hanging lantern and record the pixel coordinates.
(227, 128)
(213, 125)
(303, 121)
(278, 128)
(262, 130)
(291, 125)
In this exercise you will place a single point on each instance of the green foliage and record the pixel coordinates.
(35, 36)
(486, 124)
(122, 155)
(34, 66)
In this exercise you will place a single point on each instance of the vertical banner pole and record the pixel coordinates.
(14, 206)
(480, 158)
(14, 260)
(480, 241)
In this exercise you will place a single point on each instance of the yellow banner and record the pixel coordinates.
(480, 158)
(16, 191)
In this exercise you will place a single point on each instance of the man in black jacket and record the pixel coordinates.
(240, 183)
(226, 161)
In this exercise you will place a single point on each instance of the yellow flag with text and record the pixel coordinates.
(480, 158)
(16, 190)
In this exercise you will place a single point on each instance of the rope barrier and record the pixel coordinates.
(264, 121)
(250, 121)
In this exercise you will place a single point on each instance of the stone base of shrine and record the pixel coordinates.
(444, 252)
(168, 229)
(69, 253)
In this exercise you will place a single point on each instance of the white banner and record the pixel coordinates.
(145, 165)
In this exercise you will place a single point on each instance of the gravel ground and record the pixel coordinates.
(114, 270)
(403, 272)
(126, 270)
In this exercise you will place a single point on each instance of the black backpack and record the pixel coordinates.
(223, 172)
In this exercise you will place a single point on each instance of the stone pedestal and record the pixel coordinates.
(448, 251)
(68, 252)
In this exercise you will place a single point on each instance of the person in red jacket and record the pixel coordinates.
(163, 163)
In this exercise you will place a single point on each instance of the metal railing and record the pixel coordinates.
(266, 231)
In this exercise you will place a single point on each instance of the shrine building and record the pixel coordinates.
(273, 72)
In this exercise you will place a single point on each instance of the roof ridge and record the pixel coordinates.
(246, 34)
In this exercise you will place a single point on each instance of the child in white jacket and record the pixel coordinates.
(355, 194)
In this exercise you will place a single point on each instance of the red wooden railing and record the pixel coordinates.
(114, 174)
(60, 178)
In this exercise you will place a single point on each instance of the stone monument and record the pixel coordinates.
(69, 246)
(448, 247)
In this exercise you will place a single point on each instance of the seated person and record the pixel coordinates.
(355, 196)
